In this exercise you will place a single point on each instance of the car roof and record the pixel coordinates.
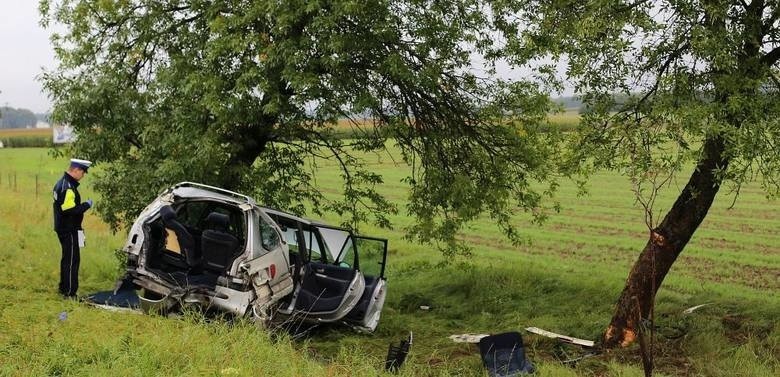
(288, 215)
(302, 220)
(192, 189)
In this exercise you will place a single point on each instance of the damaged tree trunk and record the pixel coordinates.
(665, 244)
(669, 238)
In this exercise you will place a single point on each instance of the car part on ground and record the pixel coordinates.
(563, 338)
(396, 355)
(504, 355)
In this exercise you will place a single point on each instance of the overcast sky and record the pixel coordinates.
(24, 51)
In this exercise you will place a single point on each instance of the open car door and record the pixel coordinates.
(325, 290)
(373, 257)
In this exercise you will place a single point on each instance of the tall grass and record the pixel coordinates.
(565, 280)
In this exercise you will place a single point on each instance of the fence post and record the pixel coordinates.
(36, 186)
(14, 181)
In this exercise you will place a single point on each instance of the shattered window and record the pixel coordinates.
(268, 236)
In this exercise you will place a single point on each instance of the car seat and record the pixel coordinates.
(217, 245)
(504, 355)
(178, 240)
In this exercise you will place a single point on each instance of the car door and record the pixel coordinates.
(373, 258)
(325, 291)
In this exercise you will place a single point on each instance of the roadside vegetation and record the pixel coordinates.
(563, 279)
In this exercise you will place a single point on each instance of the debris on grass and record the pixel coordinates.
(697, 307)
(562, 338)
(504, 355)
(467, 338)
(125, 298)
(397, 354)
(230, 371)
(117, 309)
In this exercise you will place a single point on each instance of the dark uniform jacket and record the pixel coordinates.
(68, 208)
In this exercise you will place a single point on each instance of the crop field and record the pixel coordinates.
(565, 279)
(25, 132)
(42, 137)
(26, 137)
(566, 120)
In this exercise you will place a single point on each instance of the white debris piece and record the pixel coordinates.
(467, 338)
(563, 338)
(117, 309)
(694, 308)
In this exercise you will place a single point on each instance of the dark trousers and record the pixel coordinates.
(69, 264)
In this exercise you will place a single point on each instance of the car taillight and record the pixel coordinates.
(272, 270)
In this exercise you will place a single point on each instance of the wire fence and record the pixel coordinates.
(36, 184)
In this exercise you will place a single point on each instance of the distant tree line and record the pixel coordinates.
(17, 118)
(569, 103)
(619, 101)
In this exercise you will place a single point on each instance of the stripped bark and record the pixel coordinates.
(665, 244)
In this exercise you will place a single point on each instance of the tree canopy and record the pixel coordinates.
(662, 77)
(243, 95)
(667, 84)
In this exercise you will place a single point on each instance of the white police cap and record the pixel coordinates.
(81, 164)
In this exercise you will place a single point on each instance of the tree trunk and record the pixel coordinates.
(665, 244)
(248, 147)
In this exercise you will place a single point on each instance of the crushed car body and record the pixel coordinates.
(202, 245)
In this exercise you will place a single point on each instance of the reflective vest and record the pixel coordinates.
(68, 208)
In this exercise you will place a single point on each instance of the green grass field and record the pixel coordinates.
(565, 279)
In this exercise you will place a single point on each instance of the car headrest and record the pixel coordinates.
(167, 213)
(218, 221)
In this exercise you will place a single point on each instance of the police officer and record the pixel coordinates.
(68, 214)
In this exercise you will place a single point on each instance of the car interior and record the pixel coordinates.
(323, 284)
(195, 242)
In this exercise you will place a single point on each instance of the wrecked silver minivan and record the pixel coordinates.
(202, 245)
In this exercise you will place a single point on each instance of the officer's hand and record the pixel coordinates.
(89, 202)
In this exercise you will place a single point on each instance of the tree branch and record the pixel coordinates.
(771, 57)
(133, 140)
(662, 70)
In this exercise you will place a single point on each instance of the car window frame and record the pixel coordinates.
(259, 249)
(211, 204)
